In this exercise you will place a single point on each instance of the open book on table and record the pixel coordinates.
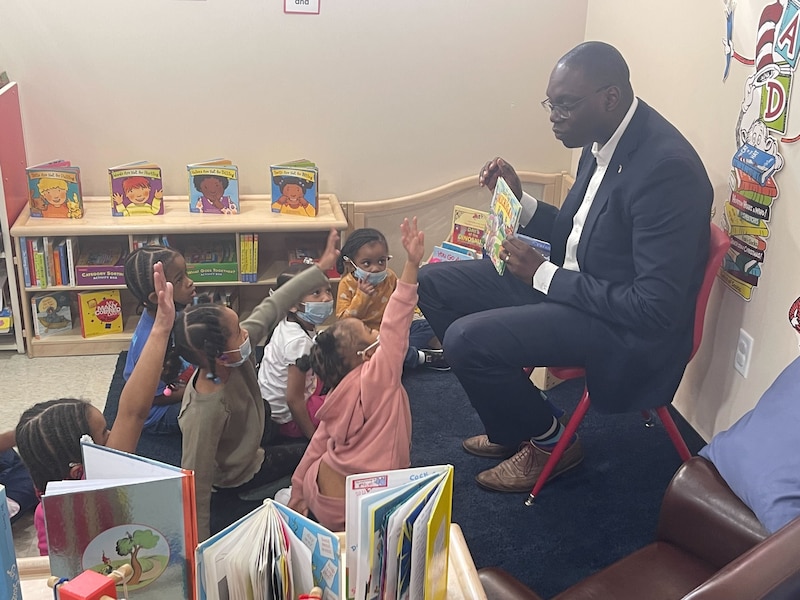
(129, 509)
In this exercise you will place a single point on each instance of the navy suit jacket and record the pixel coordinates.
(642, 255)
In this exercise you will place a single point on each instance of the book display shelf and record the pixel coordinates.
(278, 236)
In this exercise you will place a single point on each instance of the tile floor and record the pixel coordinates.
(25, 381)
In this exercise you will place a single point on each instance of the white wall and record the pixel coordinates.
(674, 50)
(388, 97)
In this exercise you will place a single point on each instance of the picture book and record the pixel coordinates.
(503, 219)
(9, 574)
(55, 190)
(100, 312)
(468, 228)
(214, 187)
(294, 188)
(273, 552)
(442, 254)
(127, 510)
(537, 244)
(398, 532)
(101, 262)
(136, 189)
(51, 314)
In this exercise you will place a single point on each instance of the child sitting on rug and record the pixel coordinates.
(295, 396)
(364, 290)
(365, 423)
(48, 434)
(163, 417)
(224, 420)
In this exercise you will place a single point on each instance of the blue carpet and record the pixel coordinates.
(586, 519)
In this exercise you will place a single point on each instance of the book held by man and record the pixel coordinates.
(502, 222)
(128, 510)
(55, 190)
(214, 187)
(136, 189)
(295, 188)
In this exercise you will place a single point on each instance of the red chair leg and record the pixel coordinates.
(561, 446)
(674, 434)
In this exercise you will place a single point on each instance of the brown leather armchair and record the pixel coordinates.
(708, 546)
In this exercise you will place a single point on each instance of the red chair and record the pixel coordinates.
(719, 246)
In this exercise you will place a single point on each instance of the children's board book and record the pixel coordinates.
(214, 187)
(55, 190)
(442, 254)
(128, 509)
(271, 553)
(100, 312)
(503, 219)
(51, 313)
(294, 188)
(9, 576)
(468, 228)
(136, 189)
(398, 533)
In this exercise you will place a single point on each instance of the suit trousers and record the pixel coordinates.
(492, 327)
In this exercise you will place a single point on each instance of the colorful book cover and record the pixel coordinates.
(756, 163)
(468, 228)
(136, 189)
(294, 188)
(9, 574)
(535, 243)
(51, 314)
(214, 187)
(441, 254)
(55, 190)
(459, 248)
(100, 312)
(128, 510)
(503, 219)
(101, 263)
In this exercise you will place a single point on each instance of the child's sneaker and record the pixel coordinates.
(434, 359)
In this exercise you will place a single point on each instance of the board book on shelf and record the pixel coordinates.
(503, 219)
(136, 189)
(100, 312)
(214, 187)
(51, 313)
(55, 190)
(468, 227)
(295, 188)
(9, 574)
(128, 509)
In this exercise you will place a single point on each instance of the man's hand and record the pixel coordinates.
(495, 168)
(331, 253)
(520, 259)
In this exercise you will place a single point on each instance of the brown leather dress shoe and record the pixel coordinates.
(520, 472)
(480, 445)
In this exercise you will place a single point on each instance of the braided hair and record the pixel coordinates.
(355, 240)
(48, 437)
(331, 355)
(199, 336)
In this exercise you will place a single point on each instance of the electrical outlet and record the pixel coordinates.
(744, 350)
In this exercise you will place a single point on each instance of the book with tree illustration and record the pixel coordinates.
(136, 189)
(503, 219)
(55, 190)
(214, 187)
(129, 509)
(294, 188)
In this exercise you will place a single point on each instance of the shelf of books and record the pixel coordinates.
(74, 298)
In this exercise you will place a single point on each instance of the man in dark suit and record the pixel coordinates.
(629, 248)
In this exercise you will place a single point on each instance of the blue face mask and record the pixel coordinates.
(370, 278)
(315, 312)
(244, 351)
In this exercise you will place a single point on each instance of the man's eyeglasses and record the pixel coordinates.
(564, 109)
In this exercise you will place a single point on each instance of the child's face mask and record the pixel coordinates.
(315, 312)
(366, 276)
(363, 353)
(244, 350)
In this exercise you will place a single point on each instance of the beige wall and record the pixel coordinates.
(675, 53)
(389, 98)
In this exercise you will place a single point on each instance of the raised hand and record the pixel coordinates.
(413, 240)
(328, 259)
(165, 315)
(497, 167)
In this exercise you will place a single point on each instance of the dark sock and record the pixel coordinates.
(548, 440)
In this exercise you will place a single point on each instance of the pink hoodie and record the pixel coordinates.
(365, 422)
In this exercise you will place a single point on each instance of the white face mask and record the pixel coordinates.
(244, 350)
(363, 353)
(315, 312)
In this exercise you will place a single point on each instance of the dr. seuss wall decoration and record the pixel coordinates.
(762, 126)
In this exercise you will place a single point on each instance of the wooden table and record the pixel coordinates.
(462, 578)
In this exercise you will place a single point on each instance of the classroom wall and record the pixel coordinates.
(389, 98)
(674, 50)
